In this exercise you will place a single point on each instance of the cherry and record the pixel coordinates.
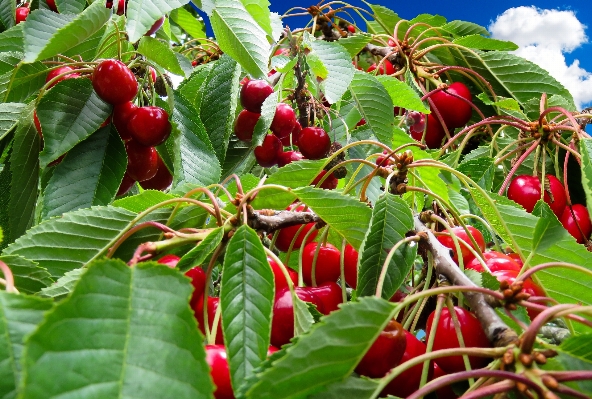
(362, 122)
(217, 359)
(445, 392)
(267, 153)
(169, 260)
(121, 116)
(314, 142)
(126, 184)
(382, 160)
(244, 125)
(462, 235)
(152, 73)
(416, 121)
(282, 51)
(581, 227)
(278, 275)
(198, 280)
(161, 180)
(198, 310)
(58, 71)
(526, 191)
(329, 294)
(330, 183)
(351, 29)
(52, 5)
(156, 26)
(386, 68)
(114, 82)
(287, 157)
(495, 261)
(150, 126)
(284, 120)
(433, 135)
(121, 7)
(385, 353)
(253, 93)
(528, 286)
(350, 263)
(455, 111)
(292, 139)
(282, 322)
(37, 124)
(286, 235)
(471, 331)
(327, 266)
(21, 14)
(142, 161)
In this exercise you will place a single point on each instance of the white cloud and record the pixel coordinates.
(544, 36)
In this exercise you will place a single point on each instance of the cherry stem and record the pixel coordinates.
(566, 376)
(211, 334)
(517, 165)
(549, 265)
(8, 278)
(490, 390)
(529, 337)
(565, 390)
(387, 261)
(134, 229)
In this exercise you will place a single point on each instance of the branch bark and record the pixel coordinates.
(269, 220)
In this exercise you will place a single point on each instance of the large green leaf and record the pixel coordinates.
(9, 115)
(19, 316)
(64, 285)
(146, 199)
(19, 81)
(259, 10)
(7, 13)
(161, 53)
(128, 330)
(375, 105)
(197, 255)
(355, 43)
(391, 220)
(48, 33)
(29, 278)
(240, 36)
(193, 26)
(329, 353)
(195, 159)
(96, 167)
(345, 214)
(246, 297)
(142, 14)
(69, 113)
(190, 88)
(402, 95)
(70, 6)
(12, 39)
(477, 41)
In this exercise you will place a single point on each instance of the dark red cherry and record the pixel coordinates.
(526, 191)
(198, 280)
(455, 111)
(495, 261)
(314, 142)
(278, 275)
(287, 234)
(161, 180)
(581, 227)
(114, 82)
(52, 5)
(287, 157)
(329, 294)
(126, 184)
(150, 126)
(434, 134)
(198, 310)
(142, 161)
(156, 26)
(327, 267)
(292, 138)
(217, 359)
(267, 153)
(385, 353)
(460, 233)
(330, 182)
(350, 263)
(121, 116)
(284, 120)
(253, 93)
(58, 71)
(244, 126)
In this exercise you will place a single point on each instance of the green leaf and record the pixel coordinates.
(146, 199)
(191, 88)
(19, 316)
(345, 214)
(12, 39)
(259, 10)
(477, 41)
(197, 255)
(337, 61)
(326, 355)
(69, 113)
(375, 105)
(351, 388)
(464, 28)
(161, 53)
(64, 285)
(48, 33)
(19, 81)
(29, 278)
(480, 170)
(246, 297)
(402, 95)
(70, 242)
(70, 6)
(355, 43)
(574, 354)
(218, 105)
(240, 36)
(586, 152)
(142, 14)
(193, 26)
(87, 49)
(7, 13)
(195, 159)
(391, 220)
(132, 322)
(385, 17)
(9, 116)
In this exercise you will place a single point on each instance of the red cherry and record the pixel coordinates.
(21, 14)
(581, 227)
(327, 266)
(292, 139)
(217, 359)
(282, 322)
(152, 74)
(282, 51)
(385, 353)
(114, 82)
(445, 338)
(284, 120)
(150, 126)
(278, 275)
(286, 235)
(351, 29)
(382, 160)
(526, 191)
(362, 122)
(462, 235)
(495, 261)
(121, 116)
(126, 184)
(198, 280)
(156, 26)
(267, 153)
(330, 183)
(169, 260)
(253, 93)
(444, 392)
(37, 124)
(329, 294)
(244, 125)
(399, 295)
(455, 111)
(58, 71)
(121, 7)
(528, 286)
(350, 263)
(386, 68)
(142, 161)
(434, 134)
(287, 157)
(198, 310)
(314, 143)
(161, 180)
(52, 5)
